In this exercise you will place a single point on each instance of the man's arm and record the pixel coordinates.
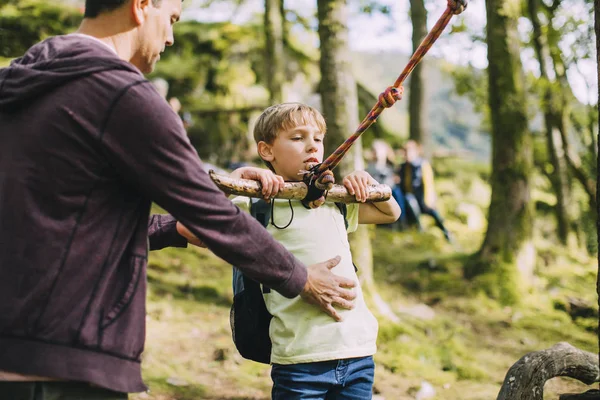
(145, 142)
(163, 232)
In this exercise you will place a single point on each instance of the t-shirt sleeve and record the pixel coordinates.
(145, 143)
(352, 216)
(242, 202)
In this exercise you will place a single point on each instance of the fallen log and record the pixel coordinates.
(296, 190)
(526, 378)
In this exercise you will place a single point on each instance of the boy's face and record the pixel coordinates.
(411, 153)
(295, 149)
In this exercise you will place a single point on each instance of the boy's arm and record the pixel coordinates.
(384, 212)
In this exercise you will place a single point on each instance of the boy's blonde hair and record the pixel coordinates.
(285, 116)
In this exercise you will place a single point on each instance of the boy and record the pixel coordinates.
(416, 182)
(314, 356)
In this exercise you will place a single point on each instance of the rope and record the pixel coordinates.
(393, 93)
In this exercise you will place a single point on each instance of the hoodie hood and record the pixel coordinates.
(52, 63)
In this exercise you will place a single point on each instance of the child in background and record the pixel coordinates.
(314, 356)
(417, 185)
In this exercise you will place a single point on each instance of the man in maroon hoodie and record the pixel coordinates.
(86, 144)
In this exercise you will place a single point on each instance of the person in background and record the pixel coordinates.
(417, 185)
(381, 168)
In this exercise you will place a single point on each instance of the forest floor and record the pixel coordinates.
(450, 335)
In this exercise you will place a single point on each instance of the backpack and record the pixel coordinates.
(249, 317)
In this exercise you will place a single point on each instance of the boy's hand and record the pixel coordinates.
(356, 183)
(317, 203)
(271, 184)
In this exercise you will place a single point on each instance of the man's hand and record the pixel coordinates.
(271, 184)
(190, 237)
(324, 289)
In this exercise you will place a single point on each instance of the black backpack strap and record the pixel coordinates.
(344, 210)
(261, 211)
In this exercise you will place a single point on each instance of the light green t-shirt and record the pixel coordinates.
(300, 332)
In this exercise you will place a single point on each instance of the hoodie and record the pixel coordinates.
(86, 144)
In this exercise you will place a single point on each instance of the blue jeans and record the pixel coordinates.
(349, 379)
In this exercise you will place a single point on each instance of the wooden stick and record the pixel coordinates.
(296, 190)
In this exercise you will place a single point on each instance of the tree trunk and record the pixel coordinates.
(340, 108)
(507, 251)
(274, 50)
(416, 95)
(526, 378)
(553, 138)
(338, 87)
(597, 26)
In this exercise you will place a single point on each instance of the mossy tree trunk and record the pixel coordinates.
(274, 49)
(550, 101)
(416, 95)
(338, 87)
(340, 107)
(507, 253)
(597, 26)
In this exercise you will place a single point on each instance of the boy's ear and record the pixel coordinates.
(138, 10)
(265, 151)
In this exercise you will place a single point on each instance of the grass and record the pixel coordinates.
(450, 334)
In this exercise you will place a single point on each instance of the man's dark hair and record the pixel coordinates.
(93, 8)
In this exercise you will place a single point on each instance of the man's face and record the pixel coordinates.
(155, 33)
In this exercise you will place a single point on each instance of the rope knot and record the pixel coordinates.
(325, 181)
(457, 6)
(390, 95)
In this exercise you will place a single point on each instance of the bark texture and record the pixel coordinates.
(295, 190)
(274, 49)
(507, 250)
(597, 26)
(526, 378)
(338, 87)
(416, 95)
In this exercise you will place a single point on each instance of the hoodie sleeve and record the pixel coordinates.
(162, 232)
(145, 142)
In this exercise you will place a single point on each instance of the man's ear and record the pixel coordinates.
(139, 9)
(265, 151)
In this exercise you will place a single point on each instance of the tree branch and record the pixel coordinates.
(526, 378)
(296, 190)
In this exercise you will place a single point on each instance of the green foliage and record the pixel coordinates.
(210, 61)
(214, 71)
(473, 83)
(26, 22)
